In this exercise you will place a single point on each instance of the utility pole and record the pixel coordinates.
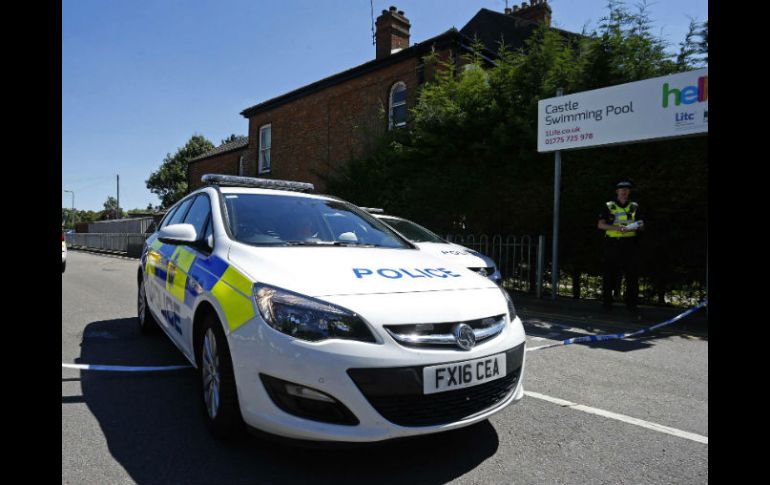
(117, 209)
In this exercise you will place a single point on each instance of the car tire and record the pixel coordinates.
(147, 323)
(219, 396)
(63, 266)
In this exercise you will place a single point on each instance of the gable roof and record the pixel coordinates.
(238, 143)
(490, 26)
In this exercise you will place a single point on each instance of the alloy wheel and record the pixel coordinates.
(210, 373)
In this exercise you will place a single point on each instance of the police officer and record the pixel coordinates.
(621, 221)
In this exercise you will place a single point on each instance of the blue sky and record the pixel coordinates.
(140, 77)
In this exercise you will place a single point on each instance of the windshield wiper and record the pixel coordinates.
(328, 243)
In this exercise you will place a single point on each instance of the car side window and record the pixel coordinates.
(167, 218)
(180, 212)
(199, 214)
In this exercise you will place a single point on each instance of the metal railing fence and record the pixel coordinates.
(519, 258)
(123, 242)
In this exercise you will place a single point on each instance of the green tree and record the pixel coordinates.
(169, 182)
(111, 209)
(693, 50)
(231, 138)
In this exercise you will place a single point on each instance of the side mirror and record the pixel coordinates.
(348, 237)
(178, 234)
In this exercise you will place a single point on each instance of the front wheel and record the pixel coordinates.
(220, 397)
(147, 323)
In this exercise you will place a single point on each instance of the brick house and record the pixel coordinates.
(316, 128)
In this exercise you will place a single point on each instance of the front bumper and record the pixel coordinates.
(381, 384)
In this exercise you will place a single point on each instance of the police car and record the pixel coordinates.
(435, 244)
(63, 252)
(308, 318)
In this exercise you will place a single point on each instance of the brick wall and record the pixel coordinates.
(319, 132)
(225, 163)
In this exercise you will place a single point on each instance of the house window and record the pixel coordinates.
(241, 168)
(397, 111)
(264, 148)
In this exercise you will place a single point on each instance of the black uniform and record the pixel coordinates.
(620, 257)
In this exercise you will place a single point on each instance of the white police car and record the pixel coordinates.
(435, 244)
(310, 319)
(63, 252)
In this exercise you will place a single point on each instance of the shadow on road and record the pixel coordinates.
(154, 428)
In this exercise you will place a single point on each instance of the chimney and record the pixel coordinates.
(537, 11)
(392, 32)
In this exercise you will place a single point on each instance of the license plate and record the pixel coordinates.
(458, 375)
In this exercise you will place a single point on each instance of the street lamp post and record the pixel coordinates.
(73, 206)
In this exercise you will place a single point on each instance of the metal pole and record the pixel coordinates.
(556, 198)
(73, 206)
(540, 264)
(117, 210)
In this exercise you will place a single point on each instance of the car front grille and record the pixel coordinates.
(441, 335)
(397, 394)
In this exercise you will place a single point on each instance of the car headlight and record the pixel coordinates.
(511, 309)
(307, 318)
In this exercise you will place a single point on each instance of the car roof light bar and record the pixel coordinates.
(373, 210)
(234, 181)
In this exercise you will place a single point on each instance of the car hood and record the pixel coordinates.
(456, 254)
(326, 271)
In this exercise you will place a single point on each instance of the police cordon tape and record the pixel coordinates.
(600, 338)
(575, 340)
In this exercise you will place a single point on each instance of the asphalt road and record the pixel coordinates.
(148, 428)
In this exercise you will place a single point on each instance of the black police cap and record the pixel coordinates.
(625, 184)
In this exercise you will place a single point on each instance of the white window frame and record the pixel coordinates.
(263, 150)
(391, 105)
(241, 166)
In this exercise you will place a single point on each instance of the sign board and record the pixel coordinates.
(661, 107)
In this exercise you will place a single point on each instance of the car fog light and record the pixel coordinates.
(307, 403)
(307, 393)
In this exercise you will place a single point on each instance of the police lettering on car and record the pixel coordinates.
(392, 273)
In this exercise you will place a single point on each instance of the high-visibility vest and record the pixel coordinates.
(623, 216)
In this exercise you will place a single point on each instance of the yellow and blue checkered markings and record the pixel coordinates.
(186, 273)
(233, 292)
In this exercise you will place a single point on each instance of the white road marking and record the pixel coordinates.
(621, 417)
(124, 368)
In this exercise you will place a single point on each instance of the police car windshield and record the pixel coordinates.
(414, 232)
(281, 220)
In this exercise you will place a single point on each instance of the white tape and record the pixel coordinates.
(124, 368)
(601, 338)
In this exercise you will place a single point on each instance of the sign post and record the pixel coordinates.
(556, 201)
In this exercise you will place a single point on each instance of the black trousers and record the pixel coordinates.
(621, 258)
